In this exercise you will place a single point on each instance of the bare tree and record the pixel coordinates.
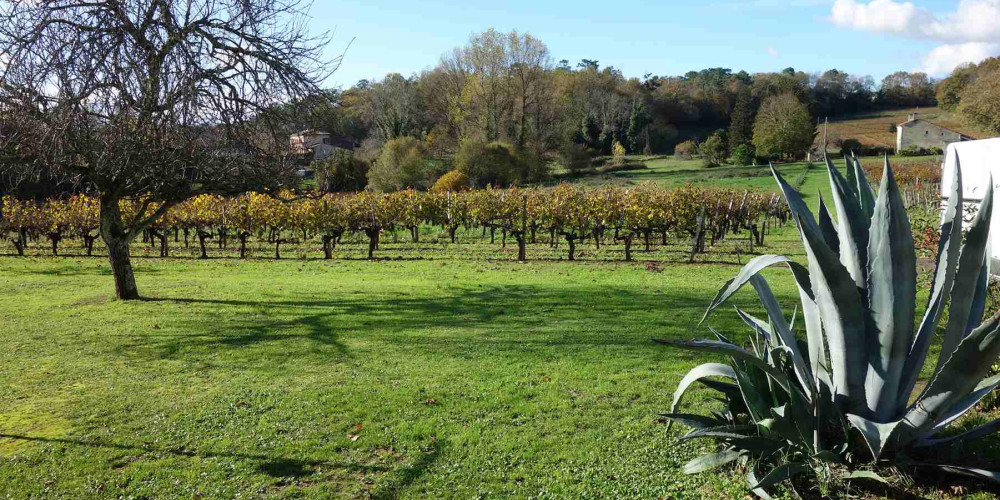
(393, 107)
(155, 100)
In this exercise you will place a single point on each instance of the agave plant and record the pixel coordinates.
(846, 398)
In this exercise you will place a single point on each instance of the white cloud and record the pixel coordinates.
(971, 32)
(884, 16)
(771, 51)
(945, 58)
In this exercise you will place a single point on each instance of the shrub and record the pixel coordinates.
(340, 172)
(451, 181)
(618, 153)
(919, 151)
(686, 150)
(531, 164)
(493, 164)
(402, 163)
(848, 146)
(574, 158)
(793, 411)
(713, 150)
(743, 154)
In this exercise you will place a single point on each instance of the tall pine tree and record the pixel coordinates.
(741, 124)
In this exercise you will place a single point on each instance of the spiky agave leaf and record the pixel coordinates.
(945, 268)
(892, 295)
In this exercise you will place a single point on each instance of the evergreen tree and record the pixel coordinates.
(637, 125)
(741, 125)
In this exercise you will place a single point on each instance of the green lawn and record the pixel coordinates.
(440, 379)
(442, 371)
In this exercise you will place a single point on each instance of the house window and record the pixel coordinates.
(326, 140)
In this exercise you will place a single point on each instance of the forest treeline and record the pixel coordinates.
(506, 87)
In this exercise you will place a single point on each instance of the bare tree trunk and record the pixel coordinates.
(117, 239)
(88, 242)
(243, 244)
(55, 238)
(327, 250)
(372, 242)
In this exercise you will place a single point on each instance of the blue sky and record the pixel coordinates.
(666, 38)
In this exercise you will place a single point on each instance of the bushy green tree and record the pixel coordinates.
(980, 103)
(451, 181)
(950, 90)
(686, 149)
(783, 127)
(743, 154)
(403, 163)
(493, 164)
(713, 150)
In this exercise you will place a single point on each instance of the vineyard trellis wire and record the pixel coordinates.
(567, 212)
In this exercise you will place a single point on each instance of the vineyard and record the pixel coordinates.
(567, 214)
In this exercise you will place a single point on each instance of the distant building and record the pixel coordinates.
(320, 143)
(924, 134)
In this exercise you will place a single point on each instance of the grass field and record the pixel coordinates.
(459, 374)
(449, 379)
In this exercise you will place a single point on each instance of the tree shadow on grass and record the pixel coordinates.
(458, 323)
(274, 466)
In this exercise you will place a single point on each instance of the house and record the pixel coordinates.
(320, 143)
(979, 167)
(917, 133)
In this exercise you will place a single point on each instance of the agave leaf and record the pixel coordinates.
(982, 290)
(800, 211)
(850, 173)
(839, 303)
(754, 322)
(975, 433)
(827, 227)
(784, 333)
(853, 226)
(866, 195)
(735, 352)
(949, 247)
(697, 373)
(960, 375)
(732, 391)
(964, 298)
(781, 473)
(756, 265)
(829, 456)
(958, 409)
(866, 474)
(877, 435)
(755, 390)
(965, 471)
(694, 421)
(751, 481)
(892, 295)
(734, 435)
(711, 461)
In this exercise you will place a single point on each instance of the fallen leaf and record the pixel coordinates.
(353, 437)
(430, 401)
